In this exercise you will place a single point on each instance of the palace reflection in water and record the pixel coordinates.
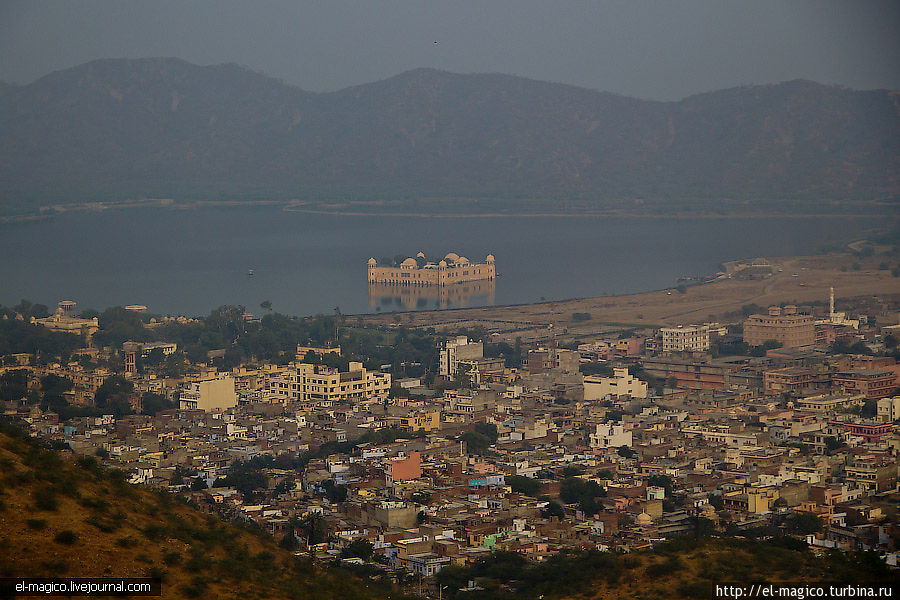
(424, 297)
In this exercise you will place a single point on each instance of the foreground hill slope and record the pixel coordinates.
(59, 519)
(114, 129)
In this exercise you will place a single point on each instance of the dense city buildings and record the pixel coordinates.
(440, 448)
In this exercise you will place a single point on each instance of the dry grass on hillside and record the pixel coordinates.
(79, 520)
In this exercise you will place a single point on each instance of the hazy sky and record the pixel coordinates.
(663, 50)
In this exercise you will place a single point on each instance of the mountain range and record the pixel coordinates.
(121, 129)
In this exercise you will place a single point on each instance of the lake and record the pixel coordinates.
(190, 261)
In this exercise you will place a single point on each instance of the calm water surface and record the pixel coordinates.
(188, 262)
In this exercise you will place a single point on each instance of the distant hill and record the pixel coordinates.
(123, 129)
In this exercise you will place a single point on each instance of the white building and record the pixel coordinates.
(456, 350)
(889, 409)
(685, 337)
(215, 394)
(622, 383)
(610, 436)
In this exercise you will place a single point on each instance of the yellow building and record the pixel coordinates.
(320, 384)
(209, 394)
(61, 322)
(422, 421)
(417, 271)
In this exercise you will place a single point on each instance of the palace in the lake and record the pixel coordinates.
(420, 271)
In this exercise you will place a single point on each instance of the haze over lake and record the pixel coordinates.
(190, 261)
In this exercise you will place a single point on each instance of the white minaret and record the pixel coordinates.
(831, 306)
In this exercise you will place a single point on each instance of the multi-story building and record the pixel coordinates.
(874, 384)
(789, 379)
(422, 421)
(719, 374)
(622, 383)
(783, 325)
(456, 350)
(889, 409)
(212, 394)
(871, 474)
(541, 360)
(828, 403)
(610, 436)
(304, 382)
(870, 431)
(685, 338)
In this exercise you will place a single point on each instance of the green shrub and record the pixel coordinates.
(666, 567)
(45, 499)
(97, 504)
(172, 558)
(36, 523)
(126, 542)
(66, 537)
(55, 568)
(155, 532)
(101, 524)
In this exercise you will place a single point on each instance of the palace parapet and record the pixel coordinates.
(419, 271)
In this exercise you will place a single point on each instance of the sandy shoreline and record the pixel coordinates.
(50, 211)
(794, 280)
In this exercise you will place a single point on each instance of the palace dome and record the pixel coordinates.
(489, 259)
(644, 519)
(452, 256)
(372, 262)
(409, 263)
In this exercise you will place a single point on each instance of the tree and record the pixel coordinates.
(14, 385)
(626, 452)
(155, 358)
(577, 490)
(480, 438)
(663, 481)
(174, 365)
(596, 368)
(358, 549)
(114, 396)
(524, 485)
(831, 444)
(152, 403)
(335, 493)
(289, 541)
(54, 387)
(462, 379)
(803, 523)
(198, 484)
(313, 528)
(553, 509)
(571, 471)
